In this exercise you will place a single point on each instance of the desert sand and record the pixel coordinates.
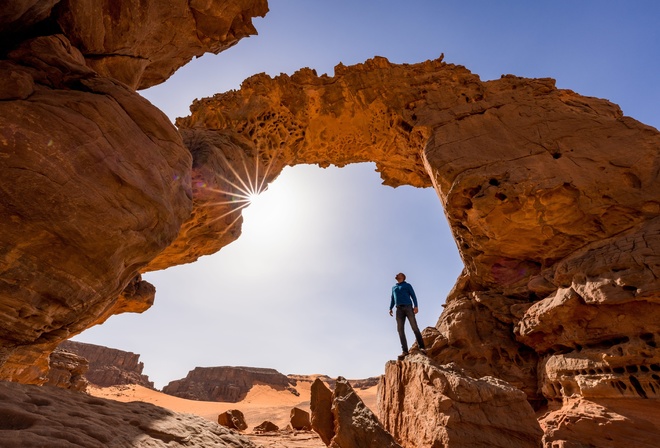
(261, 403)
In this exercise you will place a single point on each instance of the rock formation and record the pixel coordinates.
(96, 181)
(352, 424)
(228, 384)
(109, 366)
(300, 420)
(32, 416)
(67, 370)
(553, 198)
(320, 404)
(233, 419)
(266, 427)
(456, 409)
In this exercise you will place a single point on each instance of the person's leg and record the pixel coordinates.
(400, 322)
(410, 314)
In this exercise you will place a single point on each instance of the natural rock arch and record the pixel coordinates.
(553, 198)
(541, 187)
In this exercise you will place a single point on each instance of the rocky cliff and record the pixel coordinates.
(553, 198)
(109, 366)
(229, 384)
(95, 180)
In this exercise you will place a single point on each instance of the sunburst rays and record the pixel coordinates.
(241, 191)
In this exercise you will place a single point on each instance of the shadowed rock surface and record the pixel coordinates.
(33, 416)
(109, 366)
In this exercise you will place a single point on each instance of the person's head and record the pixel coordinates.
(400, 277)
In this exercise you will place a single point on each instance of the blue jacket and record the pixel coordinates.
(402, 293)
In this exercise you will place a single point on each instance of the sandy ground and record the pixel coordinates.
(261, 403)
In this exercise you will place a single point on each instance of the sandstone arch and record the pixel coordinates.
(553, 198)
(538, 184)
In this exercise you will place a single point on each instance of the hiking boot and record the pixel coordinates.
(402, 356)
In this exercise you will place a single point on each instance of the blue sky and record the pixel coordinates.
(306, 287)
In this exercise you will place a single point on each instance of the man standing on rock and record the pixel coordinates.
(403, 296)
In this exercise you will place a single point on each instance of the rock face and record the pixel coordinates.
(352, 424)
(32, 416)
(96, 181)
(109, 366)
(227, 384)
(67, 370)
(425, 404)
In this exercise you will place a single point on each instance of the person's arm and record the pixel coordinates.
(412, 294)
(391, 302)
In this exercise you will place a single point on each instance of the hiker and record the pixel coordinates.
(403, 296)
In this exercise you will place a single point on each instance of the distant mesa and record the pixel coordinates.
(226, 384)
(107, 366)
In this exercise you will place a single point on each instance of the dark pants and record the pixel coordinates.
(403, 312)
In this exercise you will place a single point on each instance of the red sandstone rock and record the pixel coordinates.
(425, 404)
(109, 366)
(322, 421)
(603, 423)
(300, 420)
(33, 416)
(343, 421)
(140, 43)
(89, 196)
(67, 370)
(233, 419)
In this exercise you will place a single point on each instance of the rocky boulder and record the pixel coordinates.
(353, 424)
(109, 366)
(300, 420)
(266, 427)
(227, 384)
(425, 404)
(233, 419)
(67, 370)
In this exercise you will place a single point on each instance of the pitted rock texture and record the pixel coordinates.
(109, 366)
(553, 198)
(33, 416)
(425, 404)
(96, 182)
(342, 419)
(227, 384)
(602, 423)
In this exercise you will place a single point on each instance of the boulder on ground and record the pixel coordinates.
(266, 427)
(300, 420)
(233, 419)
